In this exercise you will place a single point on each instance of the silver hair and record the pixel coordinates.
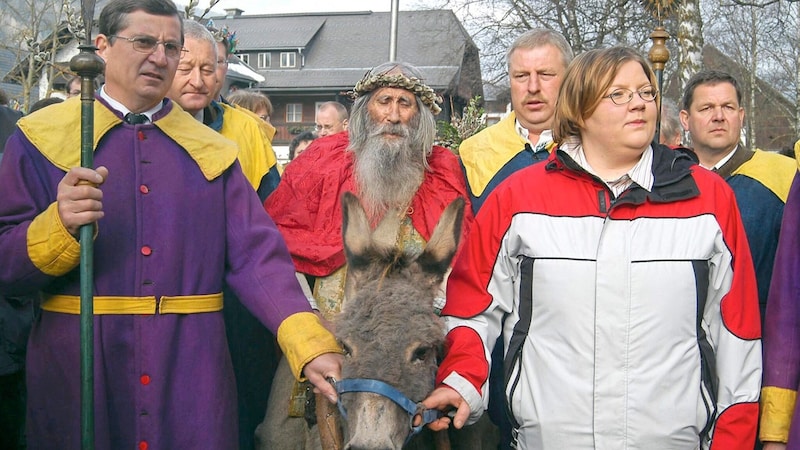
(421, 137)
(198, 32)
(670, 122)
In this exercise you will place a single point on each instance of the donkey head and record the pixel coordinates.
(388, 328)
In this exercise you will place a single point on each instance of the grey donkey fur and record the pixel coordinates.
(388, 328)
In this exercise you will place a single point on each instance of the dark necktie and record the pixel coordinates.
(136, 118)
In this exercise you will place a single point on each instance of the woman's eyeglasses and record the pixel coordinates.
(624, 96)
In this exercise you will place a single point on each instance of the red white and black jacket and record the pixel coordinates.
(628, 322)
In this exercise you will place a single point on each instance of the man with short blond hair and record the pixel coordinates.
(536, 62)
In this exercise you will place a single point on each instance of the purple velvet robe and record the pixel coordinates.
(161, 381)
(782, 321)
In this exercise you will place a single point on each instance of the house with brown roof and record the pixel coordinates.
(310, 58)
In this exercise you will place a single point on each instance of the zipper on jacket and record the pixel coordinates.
(512, 363)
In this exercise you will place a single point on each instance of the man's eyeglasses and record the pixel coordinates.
(147, 44)
(624, 96)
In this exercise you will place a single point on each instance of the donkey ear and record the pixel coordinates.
(355, 227)
(442, 246)
(385, 235)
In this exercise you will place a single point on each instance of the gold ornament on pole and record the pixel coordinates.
(659, 53)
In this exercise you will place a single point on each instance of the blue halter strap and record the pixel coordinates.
(384, 389)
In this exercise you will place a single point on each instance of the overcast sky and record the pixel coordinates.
(293, 6)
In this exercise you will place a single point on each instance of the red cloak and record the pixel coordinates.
(307, 210)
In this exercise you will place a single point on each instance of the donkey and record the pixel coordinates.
(388, 328)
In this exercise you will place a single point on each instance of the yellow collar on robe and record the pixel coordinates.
(774, 171)
(485, 153)
(266, 127)
(267, 130)
(56, 132)
(797, 152)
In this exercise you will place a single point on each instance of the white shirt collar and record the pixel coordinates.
(722, 161)
(123, 109)
(641, 173)
(545, 137)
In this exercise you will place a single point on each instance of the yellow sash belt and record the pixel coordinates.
(184, 304)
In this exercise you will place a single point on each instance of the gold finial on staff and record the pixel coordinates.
(659, 53)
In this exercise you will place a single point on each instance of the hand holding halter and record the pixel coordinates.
(384, 389)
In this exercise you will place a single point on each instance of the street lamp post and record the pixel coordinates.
(659, 53)
(393, 31)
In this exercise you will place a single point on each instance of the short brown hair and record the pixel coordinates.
(250, 100)
(585, 83)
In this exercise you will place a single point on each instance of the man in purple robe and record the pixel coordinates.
(780, 411)
(174, 220)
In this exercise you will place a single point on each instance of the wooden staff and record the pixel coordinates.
(328, 424)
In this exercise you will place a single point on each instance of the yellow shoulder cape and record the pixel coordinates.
(797, 152)
(56, 132)
(774, 171)
(488, 151)
(266, 127)
(255, 151)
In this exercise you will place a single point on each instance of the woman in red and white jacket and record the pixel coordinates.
(619, 277)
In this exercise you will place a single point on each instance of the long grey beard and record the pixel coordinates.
(388, 170)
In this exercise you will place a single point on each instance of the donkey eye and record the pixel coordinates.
(346, 350)
(421, 354)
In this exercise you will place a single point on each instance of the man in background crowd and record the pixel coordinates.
(16, 316)
(250, 343)
(331, 119)
(536, 60)
(712, 114)
(671, 133)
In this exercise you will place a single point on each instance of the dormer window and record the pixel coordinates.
(288, 59)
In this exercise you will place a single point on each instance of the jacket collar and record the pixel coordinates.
(672, 180)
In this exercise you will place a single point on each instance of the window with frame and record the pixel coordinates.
(288, 59)
(294, 112)
(244, 57)
(264, 60)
